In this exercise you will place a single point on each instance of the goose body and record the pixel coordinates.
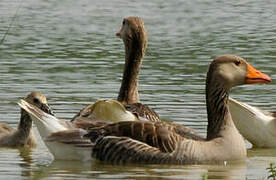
(23, 135)
(53, 131)
(256, 125)
(163, 143)
(134, 36)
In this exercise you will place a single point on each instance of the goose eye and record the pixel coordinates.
(36, 100)
(124, 22)
(238, 62)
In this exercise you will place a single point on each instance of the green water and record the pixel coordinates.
(68, 51)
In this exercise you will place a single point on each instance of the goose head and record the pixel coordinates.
(39, 100)
(231, 70)
(133, 31)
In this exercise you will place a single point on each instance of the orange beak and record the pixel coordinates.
(256, 77)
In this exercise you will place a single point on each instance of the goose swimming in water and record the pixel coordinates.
(23, 135)
(161, 142)
(64, 139)
(134, 36)
(256, 125)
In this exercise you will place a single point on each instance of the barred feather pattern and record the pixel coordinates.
(186, 132)
(124, 150)
(217, 100)
(161, 135)
(143, 112)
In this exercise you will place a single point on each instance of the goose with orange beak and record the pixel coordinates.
(256, 125)
(165, 143)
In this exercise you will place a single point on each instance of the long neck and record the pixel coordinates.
(217, 108)
(24, 126)
(134, 50)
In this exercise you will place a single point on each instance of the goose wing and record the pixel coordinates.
(84, 114)
(161, 135)
(72, 136)
(122, 150)
(143, 112)
(89, 124)
(187, 132)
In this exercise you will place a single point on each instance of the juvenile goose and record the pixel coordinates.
(161, 142)
(256, 125)
(64, 139)
(134, 36)
(23, 135)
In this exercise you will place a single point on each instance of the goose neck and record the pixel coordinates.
(134, 50)
(217, 108)
(25, 125)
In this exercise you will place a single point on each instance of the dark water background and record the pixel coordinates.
(68, 51)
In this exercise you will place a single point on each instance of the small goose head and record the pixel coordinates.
(39, 100)
(133, 29)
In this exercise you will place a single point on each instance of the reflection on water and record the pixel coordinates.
(68, 50)
(106, 171)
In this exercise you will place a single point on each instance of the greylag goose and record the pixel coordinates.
(161, 143)
(134, 36)
(23, 135)
(256, 125)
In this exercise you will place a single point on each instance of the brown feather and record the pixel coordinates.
(161, 135)
(143, 112)
(73, 136)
